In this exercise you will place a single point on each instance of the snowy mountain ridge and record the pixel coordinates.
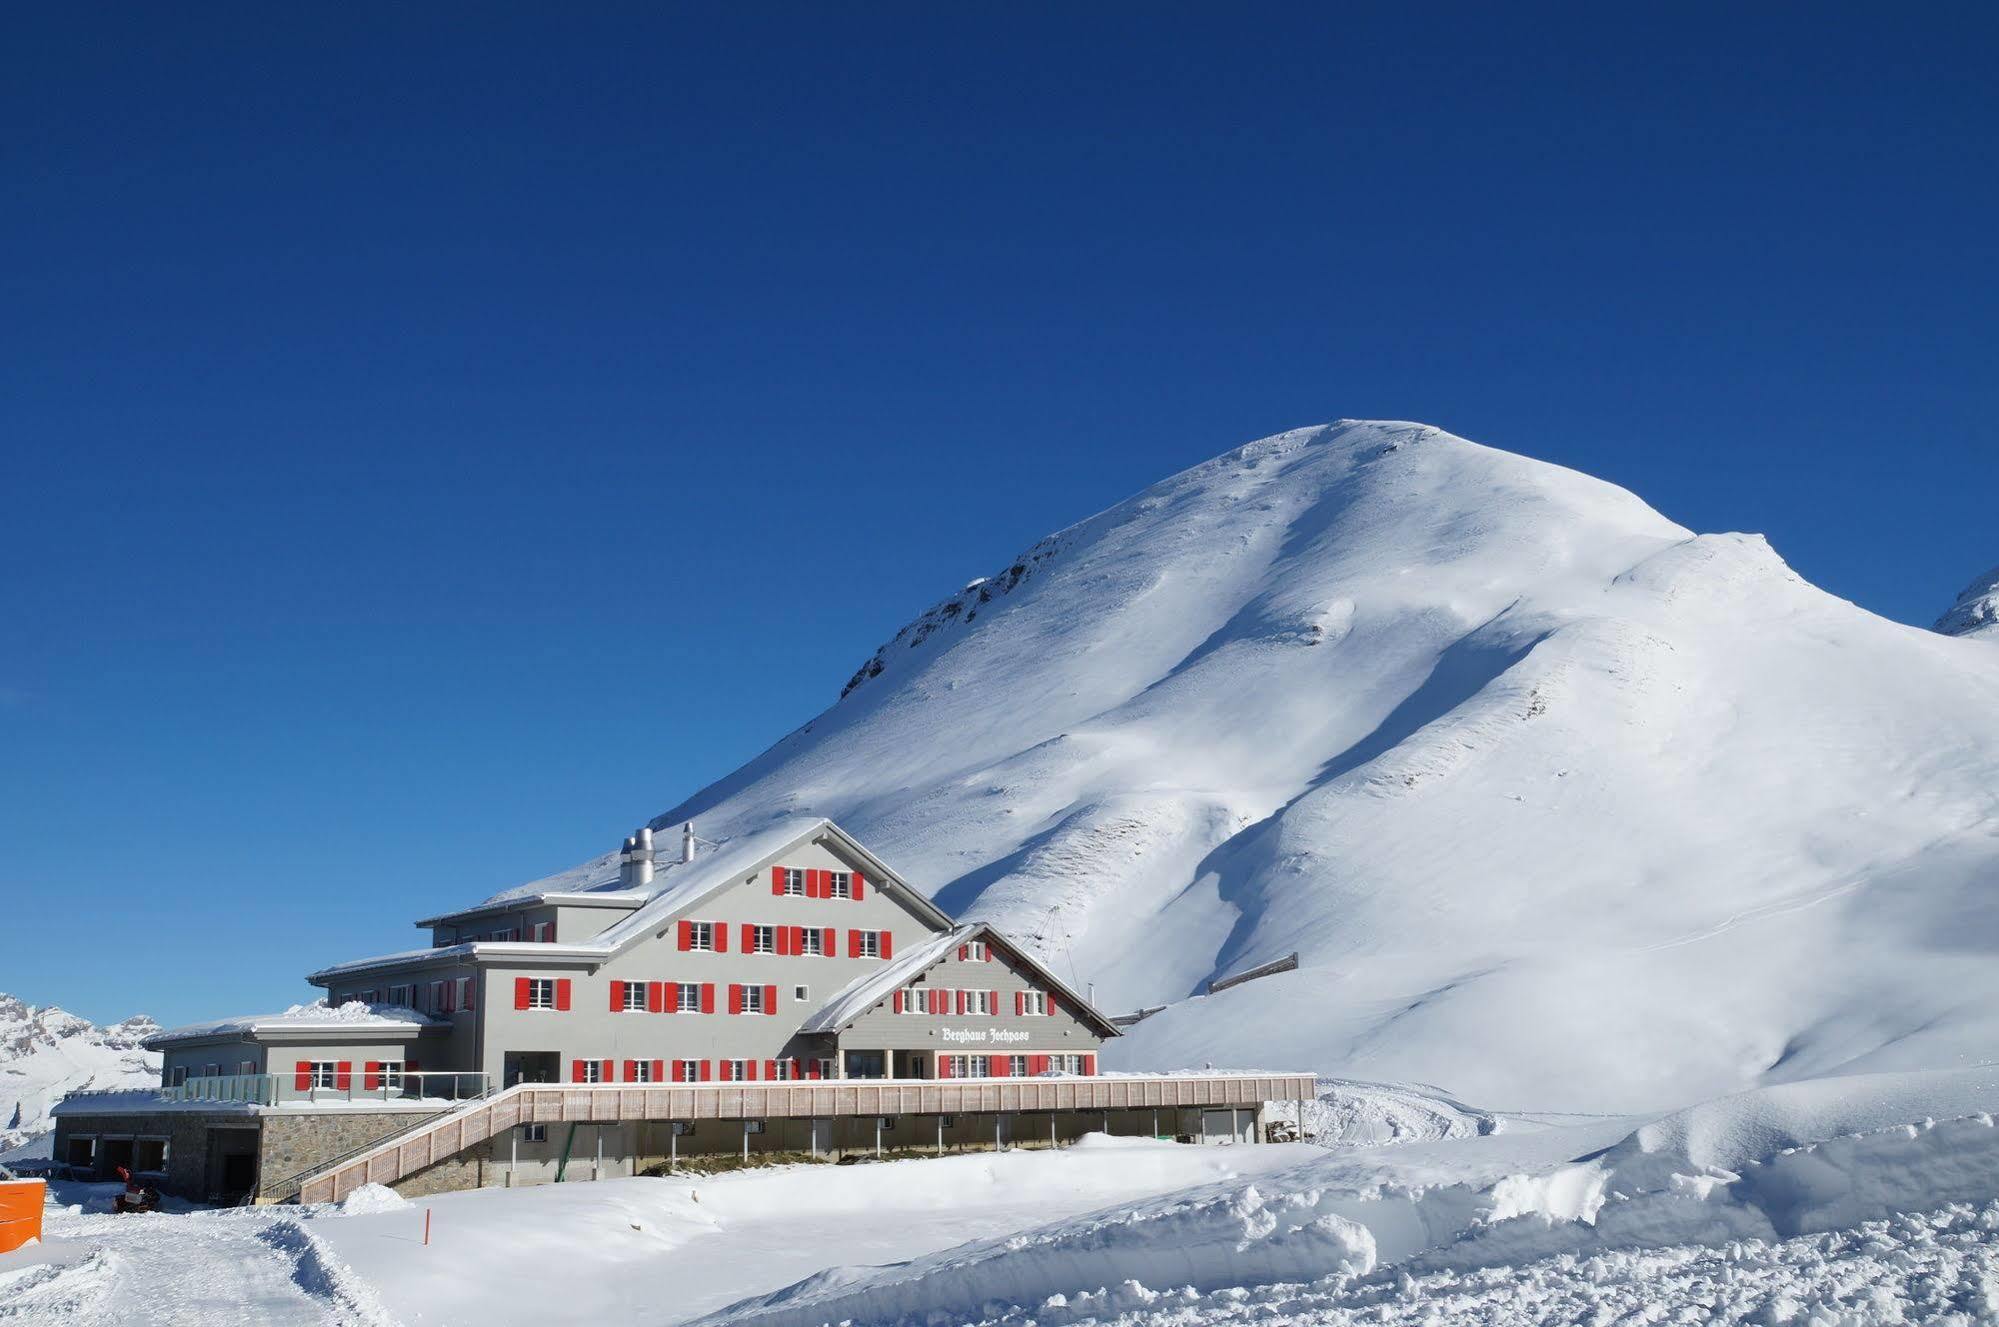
(1976, 612)
(1531, 776)
(46, 1052)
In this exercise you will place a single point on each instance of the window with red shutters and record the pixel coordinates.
(520, 992)
(770, 999)
(302, 1077)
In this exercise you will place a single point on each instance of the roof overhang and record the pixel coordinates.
(626, 900)
(523, 953)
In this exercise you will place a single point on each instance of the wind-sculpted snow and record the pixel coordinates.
(1562, 806)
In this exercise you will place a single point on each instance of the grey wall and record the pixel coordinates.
(1003, 1033)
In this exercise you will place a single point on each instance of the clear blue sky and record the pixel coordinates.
(437, 437)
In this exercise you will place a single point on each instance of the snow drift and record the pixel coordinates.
(1562, 805)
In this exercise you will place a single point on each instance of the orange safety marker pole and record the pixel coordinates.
(426, 1227)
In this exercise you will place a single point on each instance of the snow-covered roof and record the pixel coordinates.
(677, 886)
(353, 1016)
(870, 988)
(513, 901)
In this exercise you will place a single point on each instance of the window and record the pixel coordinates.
(787, 1070)
(734, 1071)
(542, 933)
(461, 989)
(701, 935)
(975, 952)
(177, 1075)
(687, 1071)
(753, 1000)
(915, 1000)
(794, 881)
(869, 944)
(843, 884)
(825, 1068)
(801, 993)
(324, 1073)
(507, 935)
(976, 1066)
(593, 1071)
(635, 997)
(541, 995)
(211, 1071)
(687, 997)
(246, 1067)
(1034, 1003)
(1017, 1066)
(392, 1074)
(812, 942)
(763, 939)
(437, 1001)
(1066, 1064)
(641, 1071)
(978, 1002)
(402, 995)
(534, 1133)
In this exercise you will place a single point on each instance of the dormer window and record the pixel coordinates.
(975, 952)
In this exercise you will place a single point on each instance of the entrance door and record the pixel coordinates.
(530, 1067)
(1220, 1126)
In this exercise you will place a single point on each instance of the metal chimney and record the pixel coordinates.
(687, 842)
(635, 863)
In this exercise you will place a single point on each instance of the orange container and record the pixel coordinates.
(21, 1203)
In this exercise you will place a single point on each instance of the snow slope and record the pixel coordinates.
(1563, 806)
(1976, 612)
(46, 1052)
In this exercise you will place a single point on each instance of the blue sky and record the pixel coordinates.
(435, 438)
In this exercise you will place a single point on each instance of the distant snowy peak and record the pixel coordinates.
(1976, 612)
(46, 1052)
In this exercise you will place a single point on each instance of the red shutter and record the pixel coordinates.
(520, 992)
(777, 880)
(343, 1075)
(371, 1074)
(576, 1071)
(617, 997)
(798, 940)
(562, 992)
(679, 1071)
(1051, 1004)
(1037, 1064)
(964, 952)
(887, 946)
(770, 1069)
(827, 943)
(735, 998)
(707, 1071)
(631, 1071)
(655, 997)
(898, 1000)
(686, 934)
(860, 886)
(750, 1071)
(943, 1066)
(409, 1066)
(749, 941)
(659, 1071)
(819, 884)
(303, 1079)
(604, 1072)
(471, 992)
(781, 937)
(770, 999)
(961, 1001)
(999, 1066)
(707, 997)
(1090, 1066)
(1019, 1003)
(853, 944)
(721, 937)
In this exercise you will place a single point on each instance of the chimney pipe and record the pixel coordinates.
(687, 842)
(635, 863)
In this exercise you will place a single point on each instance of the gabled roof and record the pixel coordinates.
(863, 993)
(678, 887)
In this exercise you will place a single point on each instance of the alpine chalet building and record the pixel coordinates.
(787, 992)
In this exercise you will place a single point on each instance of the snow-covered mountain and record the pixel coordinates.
(46, 1052)
(1976, 612)
(1562, 805)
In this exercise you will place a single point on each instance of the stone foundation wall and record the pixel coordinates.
(186, 1133)
(296, 1143)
